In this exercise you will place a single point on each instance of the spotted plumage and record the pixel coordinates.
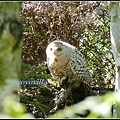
(66, 61)
(68, 66)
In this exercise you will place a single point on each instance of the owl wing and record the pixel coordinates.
(79, 67)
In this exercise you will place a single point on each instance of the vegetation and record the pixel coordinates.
(84, 24)
(88, 25)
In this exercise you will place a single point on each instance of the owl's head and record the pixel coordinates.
(58, 48)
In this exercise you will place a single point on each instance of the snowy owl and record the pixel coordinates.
(67, 65)
(66, 62)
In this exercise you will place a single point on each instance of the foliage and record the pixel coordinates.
(96, 47)
(102, 107)
(34, 72)
(83, 24)
(52, 20)
(36, 92)
(14, 109)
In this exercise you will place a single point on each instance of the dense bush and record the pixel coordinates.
(47, 21)
(82, 24)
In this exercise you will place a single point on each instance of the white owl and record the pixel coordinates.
(67, 63)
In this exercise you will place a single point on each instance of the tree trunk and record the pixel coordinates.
(10, 51)
(113, 9)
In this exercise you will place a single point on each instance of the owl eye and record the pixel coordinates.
(50, 49)
(59, 49)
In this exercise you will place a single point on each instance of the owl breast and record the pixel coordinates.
(63, 72)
